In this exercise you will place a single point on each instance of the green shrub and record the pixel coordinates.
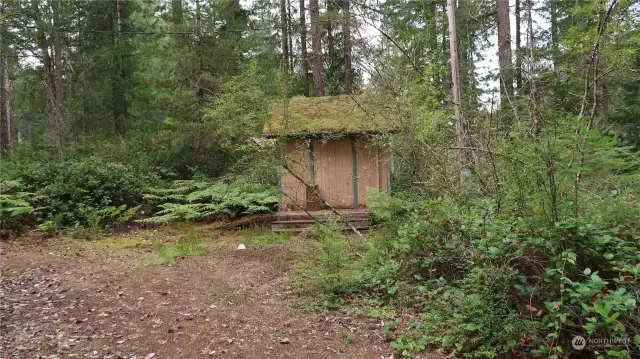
(87, 193)
(15, 207)
(333, 272)
(196, 200)
(485, 286)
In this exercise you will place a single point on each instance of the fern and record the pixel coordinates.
(199, 200)
(15, 205)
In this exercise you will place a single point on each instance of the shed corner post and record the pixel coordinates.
(312, 170)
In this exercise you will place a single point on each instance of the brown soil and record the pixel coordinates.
(68, 299)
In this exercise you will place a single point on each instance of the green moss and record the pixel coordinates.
(328, 115)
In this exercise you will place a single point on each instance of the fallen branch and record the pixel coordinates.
(260, 219)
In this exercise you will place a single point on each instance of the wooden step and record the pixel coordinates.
(361, 227)
(297, 221)
(307, 224)
(319, 217)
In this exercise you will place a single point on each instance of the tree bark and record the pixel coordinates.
(57, 78)
(434, 55)
(331, 57)
(177, 12)
(284, 37)
(348, 61)
(316, 45)
(504, 51)
(553, 10)
(5, 114)
(177, 18)
(229, 18)
(455, 81)
(535, 112)
(5, 107)
(518, 50)
(290, 36)
(304, 57)
(120, 111)
(199, 88)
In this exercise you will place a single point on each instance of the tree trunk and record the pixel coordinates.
(229, 17)
(535, 113)
(504, 52)
(316, 45)
(443, 52)
(434, 56)
(5, 108)
(199, 88)
(553, 9)
(176, 11)
(119, 99)
(57, 78)
(455, 79)
(290, 36)
(304, 58)
(177, 18)
(331, 55)
(284, 37)
(5, 114)
(604, 96)
(518, 50)
(348, 65)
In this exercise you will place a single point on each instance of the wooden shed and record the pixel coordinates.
(329, 145)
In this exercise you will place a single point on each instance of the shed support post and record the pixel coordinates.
(312, 170)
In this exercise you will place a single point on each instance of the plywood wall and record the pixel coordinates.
(297, 158)
(333, 171)
(372, 168)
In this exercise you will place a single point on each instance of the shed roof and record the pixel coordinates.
(327, 115)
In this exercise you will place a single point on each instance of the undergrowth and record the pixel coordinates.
(195, 200)
(85, 197)
(262, 236)
(165, 253)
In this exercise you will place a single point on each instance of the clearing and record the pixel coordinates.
(63, 298)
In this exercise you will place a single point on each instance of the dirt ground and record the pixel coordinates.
(69, 299)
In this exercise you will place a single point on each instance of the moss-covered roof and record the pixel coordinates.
(327, 115)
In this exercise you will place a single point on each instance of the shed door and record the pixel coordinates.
(334, 171)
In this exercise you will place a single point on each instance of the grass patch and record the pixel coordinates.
(165, 253)
(262, 236)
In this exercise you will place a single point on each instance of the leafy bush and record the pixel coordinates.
(333, 272)
(15, 207)
(88, 193)
(484, 286)
(196, 200)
